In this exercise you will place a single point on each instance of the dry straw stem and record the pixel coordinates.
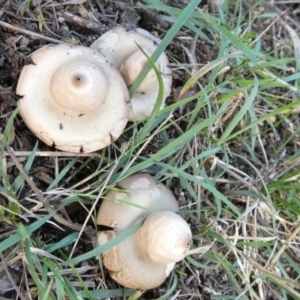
(39, 194)
(11, 280)
(34, 35)
(53, 154)
(147, 142)
(82, 22)
(104, 185)
(80, 270)
(13, 200)
(236, 100)
(12, 257)
(260, 227)
(286, 244)
(266, 271)
(285, 1)
(226, 168)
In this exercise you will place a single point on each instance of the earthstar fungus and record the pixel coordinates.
(123, 49)
(144, 260)
(73, 98)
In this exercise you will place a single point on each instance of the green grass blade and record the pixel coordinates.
(97, 251)
(29, 256)
(171, 289)
(7, 130)
(150, 120)
(185, 14)
(62, 174)
(173, 147)
(20, 179)
(236, 41)
(217, 195)
(237, 118)
(68, 240)
(15, 238)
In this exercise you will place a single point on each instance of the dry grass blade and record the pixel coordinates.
(39, 194)
(286, 244)
(54, 154)
(227, 169)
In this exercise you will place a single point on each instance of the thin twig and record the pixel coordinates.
(236, 102)
(39, 194)
(79, 21)
(267, 272)
(285, 245)
(30, 33)
(13, 283)
(53, 154)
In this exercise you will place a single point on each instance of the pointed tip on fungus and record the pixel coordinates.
(67, 82)
(144, 260)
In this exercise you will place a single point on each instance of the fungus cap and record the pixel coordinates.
(140, 195)
(73, 98)
(123, 49)
(144, 260)
(167, 237)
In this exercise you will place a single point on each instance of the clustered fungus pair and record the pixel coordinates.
(76, 98)
(144, 260)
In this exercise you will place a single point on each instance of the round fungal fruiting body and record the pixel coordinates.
(144, 260)
(72, 98)
(125, 50)
(166, 237)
